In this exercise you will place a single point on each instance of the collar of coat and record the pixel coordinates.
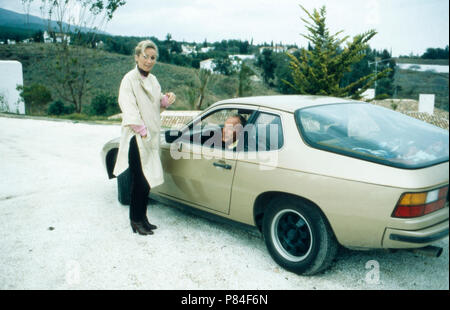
(146, 88)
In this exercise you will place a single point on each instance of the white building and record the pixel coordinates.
(47, 38)
(187, 49)
(275, 49)
(11, 41)
(206, 49)
(242, 57)
(368, 94)
(10, 77)
(236, 62)
(207, 65)
(59, 38)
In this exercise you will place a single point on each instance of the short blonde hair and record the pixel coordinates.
(143, 45)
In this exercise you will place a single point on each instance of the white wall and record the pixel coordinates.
(426, 103)
(10, 77)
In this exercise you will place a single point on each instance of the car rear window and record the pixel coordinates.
(373, 133)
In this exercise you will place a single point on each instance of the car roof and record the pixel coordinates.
(288, 103)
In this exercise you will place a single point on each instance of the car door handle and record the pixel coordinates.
(222, 165)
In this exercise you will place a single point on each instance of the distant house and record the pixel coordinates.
(236, 62)
(255, 78)
(206, 49)
(11, 41)
(187, 49)
(47, 38)
(59, 38)
(207, 64)
(368, 94)
(242, 57)
(275, 49)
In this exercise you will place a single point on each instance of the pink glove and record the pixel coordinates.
(140, 129)
(165, 101)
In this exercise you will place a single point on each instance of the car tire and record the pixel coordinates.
(124, 188)
(298, 237)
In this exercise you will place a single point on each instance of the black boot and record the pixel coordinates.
(148, 225)
(141, 228)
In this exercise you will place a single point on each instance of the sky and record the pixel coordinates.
(403, 26)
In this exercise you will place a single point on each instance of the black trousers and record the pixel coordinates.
(140, 188)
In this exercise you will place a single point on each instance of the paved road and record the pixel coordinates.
(62, 228)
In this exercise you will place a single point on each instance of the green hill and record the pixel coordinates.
(107, 70)
(413, 83)
(18, 22)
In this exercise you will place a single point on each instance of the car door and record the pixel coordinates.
(196, 169)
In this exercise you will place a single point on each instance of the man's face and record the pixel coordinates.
(231, 129)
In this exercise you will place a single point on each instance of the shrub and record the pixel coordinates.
(35, 95)
(103, 104)
(59, 108)
(56, 108)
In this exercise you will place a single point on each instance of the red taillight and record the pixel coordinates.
(418, 204)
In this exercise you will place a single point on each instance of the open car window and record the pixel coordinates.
(373, 133)
(207, 130)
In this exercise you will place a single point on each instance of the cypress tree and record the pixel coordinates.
(319, 69)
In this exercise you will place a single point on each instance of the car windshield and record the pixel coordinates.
(373, 133)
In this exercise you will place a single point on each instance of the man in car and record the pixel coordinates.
(232, 130)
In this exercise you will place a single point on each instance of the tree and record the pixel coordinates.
(266, 62)
(38, 36)
(385, 85)
(78, 23)
(223, 65)
(191, 94)
(436, 53)
(203, 76)
(244, 87)
(26, 4)
(34, 96)
(320, 69)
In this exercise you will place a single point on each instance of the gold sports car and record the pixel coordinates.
(311, 173)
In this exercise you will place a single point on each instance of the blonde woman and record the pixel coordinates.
(141, 102)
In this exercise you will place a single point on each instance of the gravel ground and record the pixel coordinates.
(62, 228)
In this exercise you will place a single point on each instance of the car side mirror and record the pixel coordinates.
(172, 135)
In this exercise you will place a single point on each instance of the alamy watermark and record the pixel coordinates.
(373, 275)
(72, 272)
(258, 143)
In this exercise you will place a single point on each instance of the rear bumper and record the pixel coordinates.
(397, 239)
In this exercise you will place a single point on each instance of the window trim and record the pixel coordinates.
(255, 117)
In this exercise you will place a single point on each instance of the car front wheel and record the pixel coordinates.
(298, 237)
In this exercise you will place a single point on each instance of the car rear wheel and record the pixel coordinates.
(298, 237)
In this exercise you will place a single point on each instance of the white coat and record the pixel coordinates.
(139, 101)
